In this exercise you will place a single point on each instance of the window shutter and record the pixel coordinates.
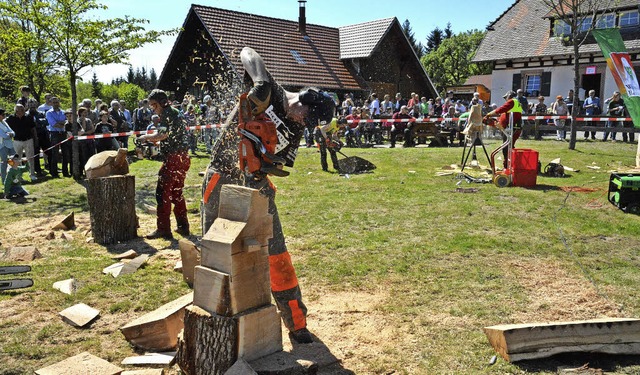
(545, 84)
(517, 82)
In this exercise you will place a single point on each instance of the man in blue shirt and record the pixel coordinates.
(592, 108)
(56, 119)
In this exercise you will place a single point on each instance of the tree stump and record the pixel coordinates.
(208, 343)
(112, 208)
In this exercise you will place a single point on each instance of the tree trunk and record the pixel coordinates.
(112, 208)
(208, 343)
(575, 108)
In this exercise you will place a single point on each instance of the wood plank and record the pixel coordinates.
(516, 342)
(239, 203)
(259, 333)
(146, 371)
(158, 330)
(82, 364)
(114, 269)
(129, 254)
(190, 255)
(151, 359)
(79, 315)
(134, 264)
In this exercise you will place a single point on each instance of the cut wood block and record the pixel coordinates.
(224, 294)
(151, 359)
(190, 255)
(66, 236)
(81, 364)
(241, 367)
(50, 236)
(79, 315)
(158, 330)
(211, 291)
(225, 233)
(221, 257)
(68, 286)
(22, 254)
(134, 264)
(239, 203)
(259, 333)
(129, 254)
(516, 342)
(178, 266)
(67, 223)
(146, 371)
(114, 269)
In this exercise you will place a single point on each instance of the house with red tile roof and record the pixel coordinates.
(359, 59)
(528, 51)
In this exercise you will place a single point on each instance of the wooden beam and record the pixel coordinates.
(516, 342)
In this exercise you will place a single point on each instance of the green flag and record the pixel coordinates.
(621, 67)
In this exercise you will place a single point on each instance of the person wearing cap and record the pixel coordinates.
(294, 110)
(510, 109)
(13, 182)
(174, 145)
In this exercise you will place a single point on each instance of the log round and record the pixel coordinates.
(112, 208)
(208, 343)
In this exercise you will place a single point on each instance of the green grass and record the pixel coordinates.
(444, 263)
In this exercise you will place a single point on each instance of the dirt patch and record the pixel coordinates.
(557, 295)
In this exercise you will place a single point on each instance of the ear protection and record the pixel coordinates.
(321, 105)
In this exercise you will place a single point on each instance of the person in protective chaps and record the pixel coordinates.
(171, 134)
(294, 111)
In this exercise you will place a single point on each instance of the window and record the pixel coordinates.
(584, 24)
(630, 18)
(297, 56)
(561, 27)
(532, 82)
(606, 21)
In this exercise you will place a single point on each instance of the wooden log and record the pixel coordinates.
(159, 329)
(112, 208)
(208, 343)
(516, 342)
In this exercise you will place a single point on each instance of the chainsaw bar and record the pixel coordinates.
(15, 284)
(10, 270)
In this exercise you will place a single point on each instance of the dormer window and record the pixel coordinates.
(561, 28)
(606, 21)
(629, 19)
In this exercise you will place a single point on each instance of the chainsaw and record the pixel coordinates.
(258, 144)
(14, 283)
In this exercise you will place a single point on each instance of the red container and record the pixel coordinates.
(523, 159)
(523, 177)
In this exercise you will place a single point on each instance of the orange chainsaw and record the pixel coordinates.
(257, 148)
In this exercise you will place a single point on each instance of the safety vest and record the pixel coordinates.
(516, 106)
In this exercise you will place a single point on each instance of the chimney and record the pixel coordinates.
(302, 19)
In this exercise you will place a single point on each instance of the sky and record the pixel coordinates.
(424, 16)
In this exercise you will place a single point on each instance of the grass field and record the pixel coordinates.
(400, 271)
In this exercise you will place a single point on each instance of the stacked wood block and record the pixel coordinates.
(232, 316)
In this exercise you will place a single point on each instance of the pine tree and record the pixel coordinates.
(417, 47)
(131, 75)
(96, 86)
(153, 79)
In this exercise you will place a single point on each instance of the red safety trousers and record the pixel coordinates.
(169, 190)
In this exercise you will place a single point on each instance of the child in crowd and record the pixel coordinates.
(13, 182)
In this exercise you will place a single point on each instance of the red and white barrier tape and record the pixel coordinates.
(139, 132)
(449, 119)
